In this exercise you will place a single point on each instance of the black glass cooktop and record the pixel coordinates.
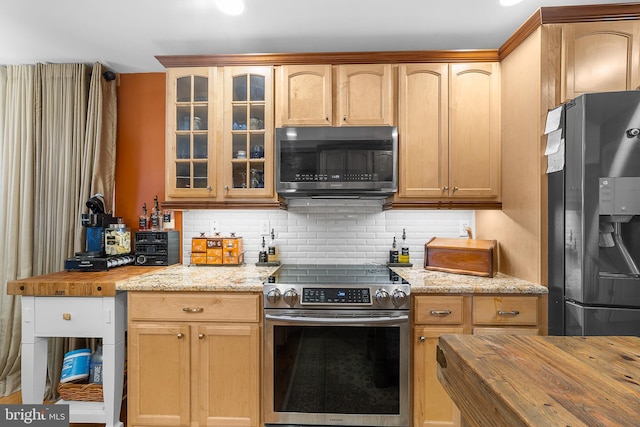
(333, 274)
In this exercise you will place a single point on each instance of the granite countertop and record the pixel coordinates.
(243, 278)
(431, 282)
(249, 278)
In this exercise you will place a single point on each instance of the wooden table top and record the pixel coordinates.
(509, 380)
(77, 283)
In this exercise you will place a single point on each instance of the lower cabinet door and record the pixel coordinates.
(228, 374)
(158, 374)
(432, 406)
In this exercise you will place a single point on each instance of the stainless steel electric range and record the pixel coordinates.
(336, 346)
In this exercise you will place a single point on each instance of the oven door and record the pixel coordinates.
(336, 367)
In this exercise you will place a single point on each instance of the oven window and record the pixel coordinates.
(337, 369)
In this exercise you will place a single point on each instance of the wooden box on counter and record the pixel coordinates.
(462, 256)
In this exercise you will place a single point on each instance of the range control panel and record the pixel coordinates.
(336, 296)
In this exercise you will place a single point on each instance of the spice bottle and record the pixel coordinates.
(143, 222)
(155, 216)
(168, 221)
(272, 251)
(403, 256)
(262, 255)
(393, 253)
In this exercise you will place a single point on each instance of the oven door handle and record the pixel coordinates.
(334, 320)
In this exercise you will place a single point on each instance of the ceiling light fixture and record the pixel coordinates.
(509, 2)
(231, 7)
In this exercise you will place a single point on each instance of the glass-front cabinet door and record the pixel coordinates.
(248, 132)
(191, 124)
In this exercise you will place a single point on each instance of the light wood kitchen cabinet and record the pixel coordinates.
(498, 314)
(434, 316)
(248, 132)
(450, 132)
(474, 136)
(341, 95)
(191, 167)
(220, 134)
(304, 95)
(194, 359)
(600, 57)
(365, 95)
(423, 112)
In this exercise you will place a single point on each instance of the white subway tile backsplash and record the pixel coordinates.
(329, 234)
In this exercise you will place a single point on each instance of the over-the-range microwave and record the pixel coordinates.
(337, 162)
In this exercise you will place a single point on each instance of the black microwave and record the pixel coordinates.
(330, 162)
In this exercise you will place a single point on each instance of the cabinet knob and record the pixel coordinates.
(200, 336)
(344, 118)
(180, 335)
(327, 118)
(421, 339)
(208, 188)
(445, 188)
(66, 316)
(226, 188)
(455, 188)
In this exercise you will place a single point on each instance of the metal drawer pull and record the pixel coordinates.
(421, 339)
(193, 310)
(508, 313)
(200, 336)
(66, 316)
(180, 335)
(440, 312)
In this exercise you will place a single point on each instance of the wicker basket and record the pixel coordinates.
(79, 391)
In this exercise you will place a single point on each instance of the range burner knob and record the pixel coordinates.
(291, 297)
(399, 297)
(273, 296)
(382, 297)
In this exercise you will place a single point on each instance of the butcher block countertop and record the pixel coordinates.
(74, 283)
(511, 380)
(244, 278)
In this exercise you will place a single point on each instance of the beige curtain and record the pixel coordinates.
(17, 90)
(73, 150)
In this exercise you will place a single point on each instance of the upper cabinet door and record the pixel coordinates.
(247, 152)
(304, 95)
(191, 127)
(423, 128)
(600, 57)
(474, 130)
(365, 95)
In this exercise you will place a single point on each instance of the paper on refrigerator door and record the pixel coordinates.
(554, 139)
(554, 119)
(555, 161)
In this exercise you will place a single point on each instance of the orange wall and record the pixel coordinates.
(140, 144)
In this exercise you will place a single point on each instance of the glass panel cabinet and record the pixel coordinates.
(191, 126)
(248, 132)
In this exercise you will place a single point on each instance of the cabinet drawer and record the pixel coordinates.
(194, 306)
(68, 317)
(439, 310)
(505, 310)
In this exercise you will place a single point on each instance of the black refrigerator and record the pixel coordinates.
(594, 218)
